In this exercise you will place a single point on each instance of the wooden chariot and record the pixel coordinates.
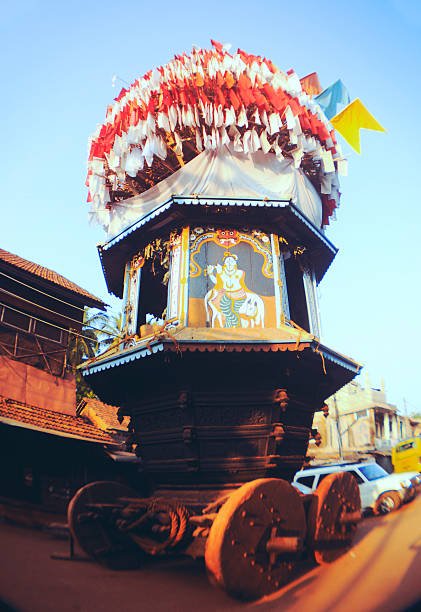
(221, 392)
(214, 176)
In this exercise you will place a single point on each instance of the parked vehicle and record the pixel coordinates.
(406, 455)
(380, 492)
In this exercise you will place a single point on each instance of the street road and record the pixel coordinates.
(381, 572)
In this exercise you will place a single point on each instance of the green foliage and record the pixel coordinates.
(82, 388)
(100, 331)
(112, 331)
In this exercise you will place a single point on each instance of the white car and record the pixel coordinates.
(381, 492)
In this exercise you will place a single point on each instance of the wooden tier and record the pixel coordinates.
(213, 417)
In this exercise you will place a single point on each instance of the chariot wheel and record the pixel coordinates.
(333, 516)
(91, 516)
(256, 538)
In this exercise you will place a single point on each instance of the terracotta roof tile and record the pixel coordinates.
(49, 421)
(47, 274)
(104, 415)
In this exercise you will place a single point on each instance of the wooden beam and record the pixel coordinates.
(43, 356)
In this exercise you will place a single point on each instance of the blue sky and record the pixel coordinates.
(57, 62)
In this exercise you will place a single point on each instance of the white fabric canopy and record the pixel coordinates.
(221, 173)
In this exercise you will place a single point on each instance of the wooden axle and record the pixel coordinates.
(284, 544)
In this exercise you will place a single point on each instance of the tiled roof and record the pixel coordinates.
(103, 415)
(51, 422)
(47, 274)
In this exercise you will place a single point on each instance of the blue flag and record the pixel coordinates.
(330, 97)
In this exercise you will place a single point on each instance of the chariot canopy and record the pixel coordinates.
(213, 123)
(256, 177)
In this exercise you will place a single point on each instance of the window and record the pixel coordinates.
(353, 472)
(16, 319)
(296, 293)
(405, 447)
(323, 476)
(307, 481)
(357, 477)
(28, 324)
(153, 292)
(47, 331)
(372, 471)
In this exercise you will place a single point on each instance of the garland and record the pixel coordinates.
(158, 251)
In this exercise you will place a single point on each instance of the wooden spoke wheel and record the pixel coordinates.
(92, 515)
(256, 538)
(333, 516)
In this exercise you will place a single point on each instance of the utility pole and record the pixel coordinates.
(338, 429)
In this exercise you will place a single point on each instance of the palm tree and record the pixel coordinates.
(99, 330)
(85, 345)
(112, 331)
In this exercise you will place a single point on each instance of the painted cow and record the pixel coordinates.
(252, 311)
(212, 312)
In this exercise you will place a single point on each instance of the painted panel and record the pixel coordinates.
(281, 295)
(184, 276)
(132, 304)
(126, 298)
(312, 303)
(231, 280)
(284, 297)
(174, 284)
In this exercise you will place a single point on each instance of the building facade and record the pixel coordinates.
(360, 421)
(49, 447)
(39, 309)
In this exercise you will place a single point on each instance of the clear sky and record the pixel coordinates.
(57, 62)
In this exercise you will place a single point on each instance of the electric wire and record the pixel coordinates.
(43, 292)
(19, 297)
(65, 329)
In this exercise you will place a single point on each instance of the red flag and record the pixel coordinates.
(277, 98)
(220, 97)
(235, 100)
(217, 45)
(304, 122)
(121, 94)
(244, 89)
(260, 99)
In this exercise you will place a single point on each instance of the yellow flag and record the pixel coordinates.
(351, 119)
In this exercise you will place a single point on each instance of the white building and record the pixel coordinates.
(360, 420)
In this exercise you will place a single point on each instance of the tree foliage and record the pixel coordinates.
(100, 331)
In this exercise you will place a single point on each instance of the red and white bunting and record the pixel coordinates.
(212, 99)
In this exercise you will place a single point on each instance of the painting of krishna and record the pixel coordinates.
(231, 282)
